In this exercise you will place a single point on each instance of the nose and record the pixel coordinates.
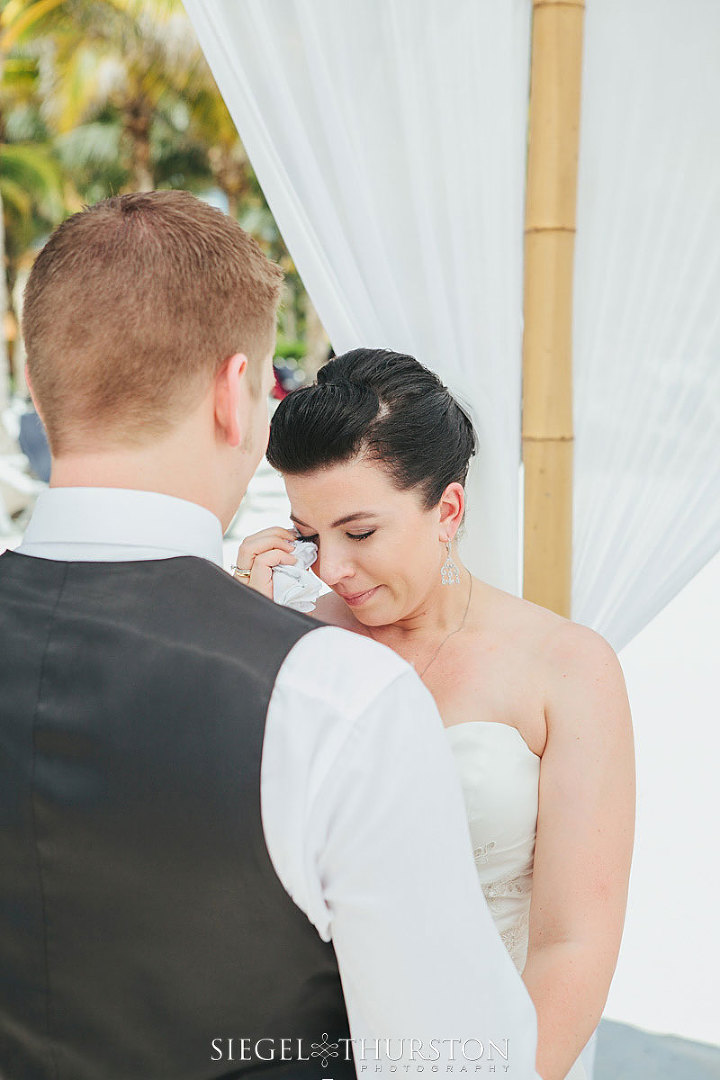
(332, 568)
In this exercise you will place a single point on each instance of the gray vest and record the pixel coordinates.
(144, 934)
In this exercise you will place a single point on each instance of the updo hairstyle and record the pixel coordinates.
(382, 406)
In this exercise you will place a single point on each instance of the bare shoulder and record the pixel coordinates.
(576, 651)
(585, 683)
(331, 610)
(557, 641)
(523, 625)
(327, 609)
(576, 667)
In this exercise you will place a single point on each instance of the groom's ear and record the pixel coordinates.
(452, 508)
(229, 388)
(32, 394)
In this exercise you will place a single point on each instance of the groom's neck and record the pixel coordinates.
(171, 466)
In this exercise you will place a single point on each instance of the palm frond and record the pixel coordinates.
(36, 172)
(15, 199)
(21, 16)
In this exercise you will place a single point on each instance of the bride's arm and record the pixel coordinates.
(584, 844)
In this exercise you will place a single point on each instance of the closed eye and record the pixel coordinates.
(351, 536)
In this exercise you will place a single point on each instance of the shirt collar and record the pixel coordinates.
(88, 516)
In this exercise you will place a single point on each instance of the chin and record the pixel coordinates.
(374, 623)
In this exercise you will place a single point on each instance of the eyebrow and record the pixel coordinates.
(340, 521)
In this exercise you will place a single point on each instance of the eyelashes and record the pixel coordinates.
(351, 536)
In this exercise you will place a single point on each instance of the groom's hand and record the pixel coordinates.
(262, 551)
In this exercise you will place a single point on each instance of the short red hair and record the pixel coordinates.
(131, 304)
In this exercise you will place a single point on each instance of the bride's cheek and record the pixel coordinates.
(317, 569)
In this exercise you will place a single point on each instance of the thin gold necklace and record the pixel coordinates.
(457, 630)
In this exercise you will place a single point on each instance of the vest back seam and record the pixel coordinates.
(43, 901)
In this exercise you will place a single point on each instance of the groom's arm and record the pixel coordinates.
(365, 823)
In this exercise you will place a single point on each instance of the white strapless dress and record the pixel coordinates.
(499, 775)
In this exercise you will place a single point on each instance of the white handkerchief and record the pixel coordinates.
(296, 586)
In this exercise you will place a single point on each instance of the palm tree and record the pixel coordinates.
(136, 58)
(212, 125)
(130, 103)
(31, 189)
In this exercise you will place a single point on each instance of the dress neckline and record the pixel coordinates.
(495, 723)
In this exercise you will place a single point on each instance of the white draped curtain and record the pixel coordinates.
(389, 139)
(647, 310)
(647, 461)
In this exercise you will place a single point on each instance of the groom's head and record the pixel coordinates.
(135, 310)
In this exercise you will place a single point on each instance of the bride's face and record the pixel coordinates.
(379, 549)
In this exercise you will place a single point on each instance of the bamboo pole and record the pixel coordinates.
(547, 421)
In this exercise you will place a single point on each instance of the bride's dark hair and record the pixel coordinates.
(381, 405)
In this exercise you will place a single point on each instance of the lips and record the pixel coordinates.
(355, 599)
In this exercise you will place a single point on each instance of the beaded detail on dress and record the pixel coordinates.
(514, 935)
(482, 853)
(499, 775)
(514, 887)
(515, 939)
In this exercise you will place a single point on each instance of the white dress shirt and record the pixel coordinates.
(363, 816)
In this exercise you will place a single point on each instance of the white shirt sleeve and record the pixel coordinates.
(365, 824)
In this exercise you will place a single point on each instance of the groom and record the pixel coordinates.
(232, 841)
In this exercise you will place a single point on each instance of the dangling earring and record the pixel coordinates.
(449, 573)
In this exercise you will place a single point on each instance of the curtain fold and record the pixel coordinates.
(389, 139)
(647, 310)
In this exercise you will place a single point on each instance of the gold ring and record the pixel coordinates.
(238, 573)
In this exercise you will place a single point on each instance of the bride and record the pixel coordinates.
(375, 457)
